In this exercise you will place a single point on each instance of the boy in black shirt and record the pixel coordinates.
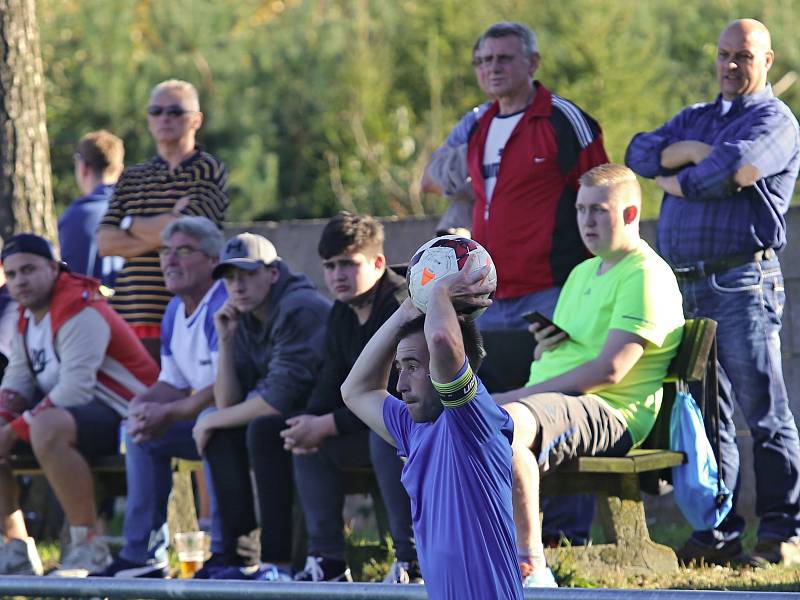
(329, 438)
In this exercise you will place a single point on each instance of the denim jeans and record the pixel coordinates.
(570, 516)
(747, 302)
(148, 468)
(507, 313)
(320, 483)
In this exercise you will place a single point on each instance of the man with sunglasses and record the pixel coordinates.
(160, 419)
(181, 179)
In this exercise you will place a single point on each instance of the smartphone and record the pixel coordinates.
(537, 317)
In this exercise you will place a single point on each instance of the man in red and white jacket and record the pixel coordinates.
(74, 366)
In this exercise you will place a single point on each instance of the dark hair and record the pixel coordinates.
(347, 232)
(103, 153)
(473, 340)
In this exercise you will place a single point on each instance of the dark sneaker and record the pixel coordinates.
(233, 572)
(404, 572)
(324, 569)
(724, 553)
(270, 572)
(775, 552)
(126, 568)
(214, 562)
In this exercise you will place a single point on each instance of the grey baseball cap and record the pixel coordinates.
(245, 251)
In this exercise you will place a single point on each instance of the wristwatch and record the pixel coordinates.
(126, 222)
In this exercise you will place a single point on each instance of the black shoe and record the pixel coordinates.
(126, 568)
(324, 569)
(214, 562)
(724, 553)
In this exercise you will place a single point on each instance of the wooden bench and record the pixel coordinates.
(109, 475)
(617, 482)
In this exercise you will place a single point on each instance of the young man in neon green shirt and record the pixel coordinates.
(595, 387)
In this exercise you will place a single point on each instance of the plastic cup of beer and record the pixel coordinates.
(191, 547)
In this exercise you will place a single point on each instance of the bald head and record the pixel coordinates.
(755, 30)
(744, 57)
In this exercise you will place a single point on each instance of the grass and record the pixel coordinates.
(370, 559)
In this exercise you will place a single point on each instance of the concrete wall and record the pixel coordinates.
(296, 242)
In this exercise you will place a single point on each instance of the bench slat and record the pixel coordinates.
(636, 461)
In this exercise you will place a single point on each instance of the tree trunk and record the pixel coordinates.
(26, 195)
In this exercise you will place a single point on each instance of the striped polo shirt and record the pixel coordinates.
(151, 188)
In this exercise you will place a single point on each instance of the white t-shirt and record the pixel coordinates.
(189, 351)
(8, 327)
(499, 131)
(39, 342)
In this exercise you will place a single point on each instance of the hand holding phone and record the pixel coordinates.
(543, 322)
(545, 341)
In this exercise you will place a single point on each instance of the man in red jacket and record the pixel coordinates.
(74, 366)
(525, 158)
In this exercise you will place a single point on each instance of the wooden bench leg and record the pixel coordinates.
(629, 549)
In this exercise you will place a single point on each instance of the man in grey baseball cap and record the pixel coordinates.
(247, 251)
(270, 335)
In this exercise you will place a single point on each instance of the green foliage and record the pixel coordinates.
(319, 105)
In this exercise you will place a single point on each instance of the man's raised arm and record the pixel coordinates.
(442, 331)
(364, 390)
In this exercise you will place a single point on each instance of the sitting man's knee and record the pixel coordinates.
(51, 428)
(525, 425)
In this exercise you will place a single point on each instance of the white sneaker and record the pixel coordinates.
(83, 555)
(540, 578)
(404, 572)
(19, 557)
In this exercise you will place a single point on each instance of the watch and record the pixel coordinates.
(126, 222)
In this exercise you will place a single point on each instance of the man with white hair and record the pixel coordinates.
(181, 179)
(160, 419)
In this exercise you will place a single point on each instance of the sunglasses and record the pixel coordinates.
(170, 111)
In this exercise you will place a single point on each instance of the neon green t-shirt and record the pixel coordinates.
(639, 295)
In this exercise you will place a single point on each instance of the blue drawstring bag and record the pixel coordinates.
(699, 491)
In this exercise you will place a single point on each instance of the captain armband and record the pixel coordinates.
(459, 392)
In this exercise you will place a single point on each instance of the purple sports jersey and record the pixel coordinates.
(458, 475)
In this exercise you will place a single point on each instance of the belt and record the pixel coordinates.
(704, 268)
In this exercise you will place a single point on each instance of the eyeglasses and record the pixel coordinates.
(170, 111)
(180, 251)
(502, 59)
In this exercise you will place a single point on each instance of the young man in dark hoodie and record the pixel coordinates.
(329, 438)
(270, 334)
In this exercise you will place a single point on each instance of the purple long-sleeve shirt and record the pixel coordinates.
(716, 218)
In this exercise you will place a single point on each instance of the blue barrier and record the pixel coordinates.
(151, 589)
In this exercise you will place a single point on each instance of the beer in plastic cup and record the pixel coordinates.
(191, 547)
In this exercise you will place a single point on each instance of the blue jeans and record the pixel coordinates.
(507, 313)
(572, 515)
(747, 302)
(148, 469)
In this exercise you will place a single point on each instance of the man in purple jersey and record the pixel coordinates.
(456, 440)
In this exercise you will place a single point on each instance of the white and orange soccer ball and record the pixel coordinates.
(439, 257)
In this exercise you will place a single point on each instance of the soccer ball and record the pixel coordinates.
(439, 257)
